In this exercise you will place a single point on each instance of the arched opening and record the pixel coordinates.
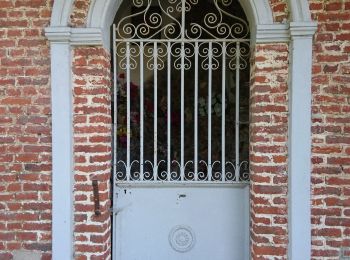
(181, 91)
(263, 30)
(181, 117)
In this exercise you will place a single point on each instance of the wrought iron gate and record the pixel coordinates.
(177, 76)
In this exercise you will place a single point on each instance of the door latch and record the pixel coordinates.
(96, 197)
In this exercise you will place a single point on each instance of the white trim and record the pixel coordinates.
(60, 12)
(257, 11)
(302, 29)
(101, 14)
(86, 36)
(75, 36)
(58, 34)
(299, 145)
(268, 33)
(299, 10)
(62, 151)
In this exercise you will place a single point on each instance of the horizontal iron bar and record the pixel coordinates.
(130, 40)
(165, 184)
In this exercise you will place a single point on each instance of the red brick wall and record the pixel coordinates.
(25, 128)
(25, 135)
(331, 130)
(268, 151)
(92, 150)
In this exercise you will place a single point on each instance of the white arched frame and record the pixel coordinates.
(298, 33)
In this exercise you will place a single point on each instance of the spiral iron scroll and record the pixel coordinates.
(188, 50)
(157, 172)
(218, 23)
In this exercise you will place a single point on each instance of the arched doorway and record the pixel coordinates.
(181, 117)
(63, 37)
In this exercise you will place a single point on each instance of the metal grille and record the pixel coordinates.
(177, 93)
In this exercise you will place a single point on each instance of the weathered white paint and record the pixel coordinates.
(75, 36)
(62, 151)
(60, 12)
(299, 146)
(100, 17)
(267, 33)
(146, 217)
(299, 10)
(259, 14)
(257, 11)
(26, 255)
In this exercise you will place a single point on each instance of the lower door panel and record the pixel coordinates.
(182, 223)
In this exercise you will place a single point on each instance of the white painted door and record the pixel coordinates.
(182, 223)
(180, 167)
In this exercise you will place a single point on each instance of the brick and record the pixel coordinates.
(328, 232)
(325, 253)
(38, 246)
(338, 139)
(15, 101)
(345, 222)
(327, 149)
(268, 189)
(269, 250)
(332, 58)
(339, 160)
(27, 236)
(326, 212)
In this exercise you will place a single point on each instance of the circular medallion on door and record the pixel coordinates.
(182, 238)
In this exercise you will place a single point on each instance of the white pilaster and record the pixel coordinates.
(62, 151)
(299, 147)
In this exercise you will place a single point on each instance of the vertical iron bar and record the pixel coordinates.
(155, 112)
(115, 108)
(237, 170)
(223, 111)
(209, 109)
(169, 112)
(141, 111)
(128, 132)
(183, 10)
(115, 136)
(182, 160)
(196, 111)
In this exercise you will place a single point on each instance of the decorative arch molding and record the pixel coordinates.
(102, 12)
(300, 11)
(60, 13)
(298, 32)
